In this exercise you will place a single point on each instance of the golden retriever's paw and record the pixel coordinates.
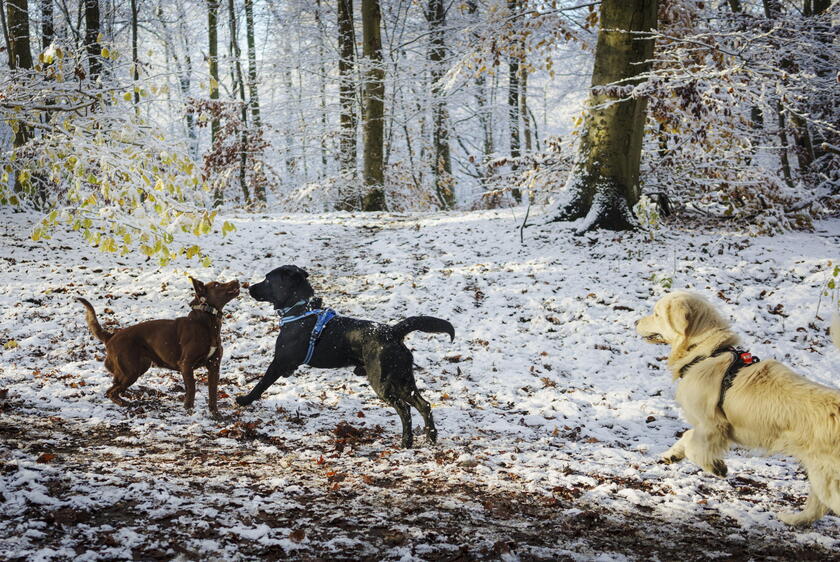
(795, 519)
(670, 459)
(719, 468)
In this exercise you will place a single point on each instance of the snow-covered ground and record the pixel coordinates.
(551, 411)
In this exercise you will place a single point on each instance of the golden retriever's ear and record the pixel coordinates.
(678, 312)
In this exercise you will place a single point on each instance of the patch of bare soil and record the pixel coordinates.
(336, 514)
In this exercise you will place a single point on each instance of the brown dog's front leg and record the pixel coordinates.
(189, 385)
(213, 385)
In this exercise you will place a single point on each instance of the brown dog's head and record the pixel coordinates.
(678, 318)
(214, 293)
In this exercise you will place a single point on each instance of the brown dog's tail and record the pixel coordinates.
(101, 333)
(428, 324)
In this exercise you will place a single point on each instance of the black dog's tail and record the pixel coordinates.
(101, 333)
(428, 324)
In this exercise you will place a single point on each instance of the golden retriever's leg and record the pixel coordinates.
(705, 447)
(823, 495)
(677, 451)
(813, 510)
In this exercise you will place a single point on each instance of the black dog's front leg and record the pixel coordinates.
(274, 372)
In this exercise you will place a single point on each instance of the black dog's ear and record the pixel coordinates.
(294, 271)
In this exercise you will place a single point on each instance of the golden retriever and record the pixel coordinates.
(767, 407)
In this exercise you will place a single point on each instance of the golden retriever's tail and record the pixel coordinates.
(835, 328)
(101, 333)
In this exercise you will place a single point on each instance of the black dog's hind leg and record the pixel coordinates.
(405, 417)
(425, 410)
(274, 372)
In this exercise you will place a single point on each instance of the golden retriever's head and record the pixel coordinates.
(678, 318)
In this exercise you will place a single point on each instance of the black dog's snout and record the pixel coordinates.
(256, 291)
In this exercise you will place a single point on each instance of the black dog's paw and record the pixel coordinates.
(719, 468)
(243, 400)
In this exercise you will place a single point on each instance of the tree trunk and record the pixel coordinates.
(523, 107)
(442, 163)
(135, 61)
(513, 106)
(604, 183)
(185, 80)
(20, 53)
(322, 86)
(254, 101)
(252, 66)
(94, 51)
(47, 25)
(374, 108)
(801, 136)
(20, 58)
(239, 84)
(213, 63)
(485, 116)
(347, 96)
(784, 145)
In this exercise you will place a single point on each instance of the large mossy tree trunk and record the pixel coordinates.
(374, 108)
(604, 182)
(347, 97)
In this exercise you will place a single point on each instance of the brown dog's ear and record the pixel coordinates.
(199, 287)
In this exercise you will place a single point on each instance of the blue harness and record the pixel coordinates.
(324, 316)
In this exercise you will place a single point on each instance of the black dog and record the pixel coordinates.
(375, 350)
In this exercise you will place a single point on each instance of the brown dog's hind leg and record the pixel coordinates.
(118, 386)
(125, 373)
(114, 393)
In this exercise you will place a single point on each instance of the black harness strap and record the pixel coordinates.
(740, 360)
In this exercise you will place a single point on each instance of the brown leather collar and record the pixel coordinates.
(207, 308)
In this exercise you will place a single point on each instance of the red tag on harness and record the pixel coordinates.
(747, 358)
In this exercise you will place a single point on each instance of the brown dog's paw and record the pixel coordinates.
(719, 468)
(216, 416)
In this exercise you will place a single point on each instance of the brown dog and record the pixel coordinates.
(182, 344)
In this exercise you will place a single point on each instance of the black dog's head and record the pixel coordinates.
(283, 287)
